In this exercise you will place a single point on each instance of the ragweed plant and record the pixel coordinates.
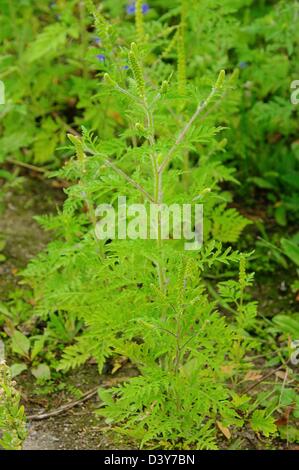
(146, 299)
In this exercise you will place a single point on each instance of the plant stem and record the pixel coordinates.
(158, 190)
(26, 165)
(129, 179)
(200, 108)
(124, 175)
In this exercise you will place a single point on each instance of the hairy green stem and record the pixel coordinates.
(200, 108)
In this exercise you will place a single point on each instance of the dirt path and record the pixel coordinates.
(23, 235)
(76, 429)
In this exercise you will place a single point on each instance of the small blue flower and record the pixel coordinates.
(97, 40)
(101, 57)
(125, 67)
(243, 65)
(131, 8)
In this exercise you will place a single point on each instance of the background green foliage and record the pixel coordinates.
(123, 86)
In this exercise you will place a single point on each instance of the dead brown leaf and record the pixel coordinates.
(283, 420)
(252, 376)
(280, 374)
(228, 369)
(225, 431)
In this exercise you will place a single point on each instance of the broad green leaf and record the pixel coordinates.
(17, 369)
(288, 324)
(291, 250)
(42, 371)
(20, 343)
